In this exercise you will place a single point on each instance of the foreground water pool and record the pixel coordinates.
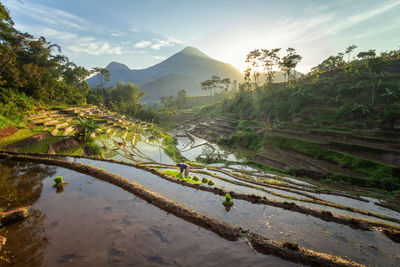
(93, 223)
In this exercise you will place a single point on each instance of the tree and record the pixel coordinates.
(253, 59)
(87, 127)
(367, 54)
(103, 75)
(181, 99)
(247, 73)
(206, 85)
(234, 86)
(215, 83)
(225, 83)
(270, 58)
(290, 61)
(349, 50)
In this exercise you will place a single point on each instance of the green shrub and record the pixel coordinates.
(195, 178)
(210, 182)
(58, 180)
(204, 180)
(228, 199)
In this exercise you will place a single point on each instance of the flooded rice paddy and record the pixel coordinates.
(92, 223)
(368, 247)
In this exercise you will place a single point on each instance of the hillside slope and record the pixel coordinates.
(190, 64)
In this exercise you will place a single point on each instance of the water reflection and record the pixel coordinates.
(21, 182)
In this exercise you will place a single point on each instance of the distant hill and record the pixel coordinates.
(183, 70)
(170, 84)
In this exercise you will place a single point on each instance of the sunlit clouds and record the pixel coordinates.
(139, 35)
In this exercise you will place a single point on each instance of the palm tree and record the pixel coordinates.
(87, 127)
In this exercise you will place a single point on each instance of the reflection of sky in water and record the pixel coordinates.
(93, 223)
(269, 221)
(154, 152)
(142, 151)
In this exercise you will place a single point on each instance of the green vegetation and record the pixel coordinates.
(42, 146)
(337, 98)
(178, 175)
(58, 180)
(169, 144)
(210, 182)
(59, 183)
(380, 175)
(87, 127)
(95, 148)
(228, 199)
(30, 72)
(18, 136)
(204, 180)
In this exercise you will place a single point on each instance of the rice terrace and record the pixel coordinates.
(288, 155)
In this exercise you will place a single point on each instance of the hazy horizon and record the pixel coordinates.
(97, 33)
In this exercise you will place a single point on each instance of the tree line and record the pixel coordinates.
(33, 71)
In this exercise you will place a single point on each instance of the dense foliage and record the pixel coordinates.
(359, 93)
(33, 70)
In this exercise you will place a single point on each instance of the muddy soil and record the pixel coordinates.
(10, 130)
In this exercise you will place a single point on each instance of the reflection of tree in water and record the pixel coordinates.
(27, 240)
(21, 182)
(21, 185)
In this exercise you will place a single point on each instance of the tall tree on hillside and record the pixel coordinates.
(103, 74)
(349, 50)
(247, 74)
(290, 61)
(225, 83)
(206, 85)
(234, 86)
(253, 58)
(270, 58)
(367, 54)
(181, 99)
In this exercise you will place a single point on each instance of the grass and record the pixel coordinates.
(178, 175)
(95, 148)
(171, 150)
(129, 135)
(18, 136)
(380, 175)
(76, 151)
(42, 146)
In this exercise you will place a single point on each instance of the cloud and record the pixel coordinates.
(50, 15)
(351, 21)
(116, 34)
(134, 30)
(96, 48)
(143, 44)
(171, 41)
(159, 57)
(52, 33)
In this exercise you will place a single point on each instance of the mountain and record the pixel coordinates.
(183, 70)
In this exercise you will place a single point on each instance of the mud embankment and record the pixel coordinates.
(225, 230)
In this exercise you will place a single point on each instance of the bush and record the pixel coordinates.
(195, 179)
(58, 180)
(228, 199)
(210, 182)
(204, 180)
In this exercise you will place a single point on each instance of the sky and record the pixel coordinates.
(139, 34)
